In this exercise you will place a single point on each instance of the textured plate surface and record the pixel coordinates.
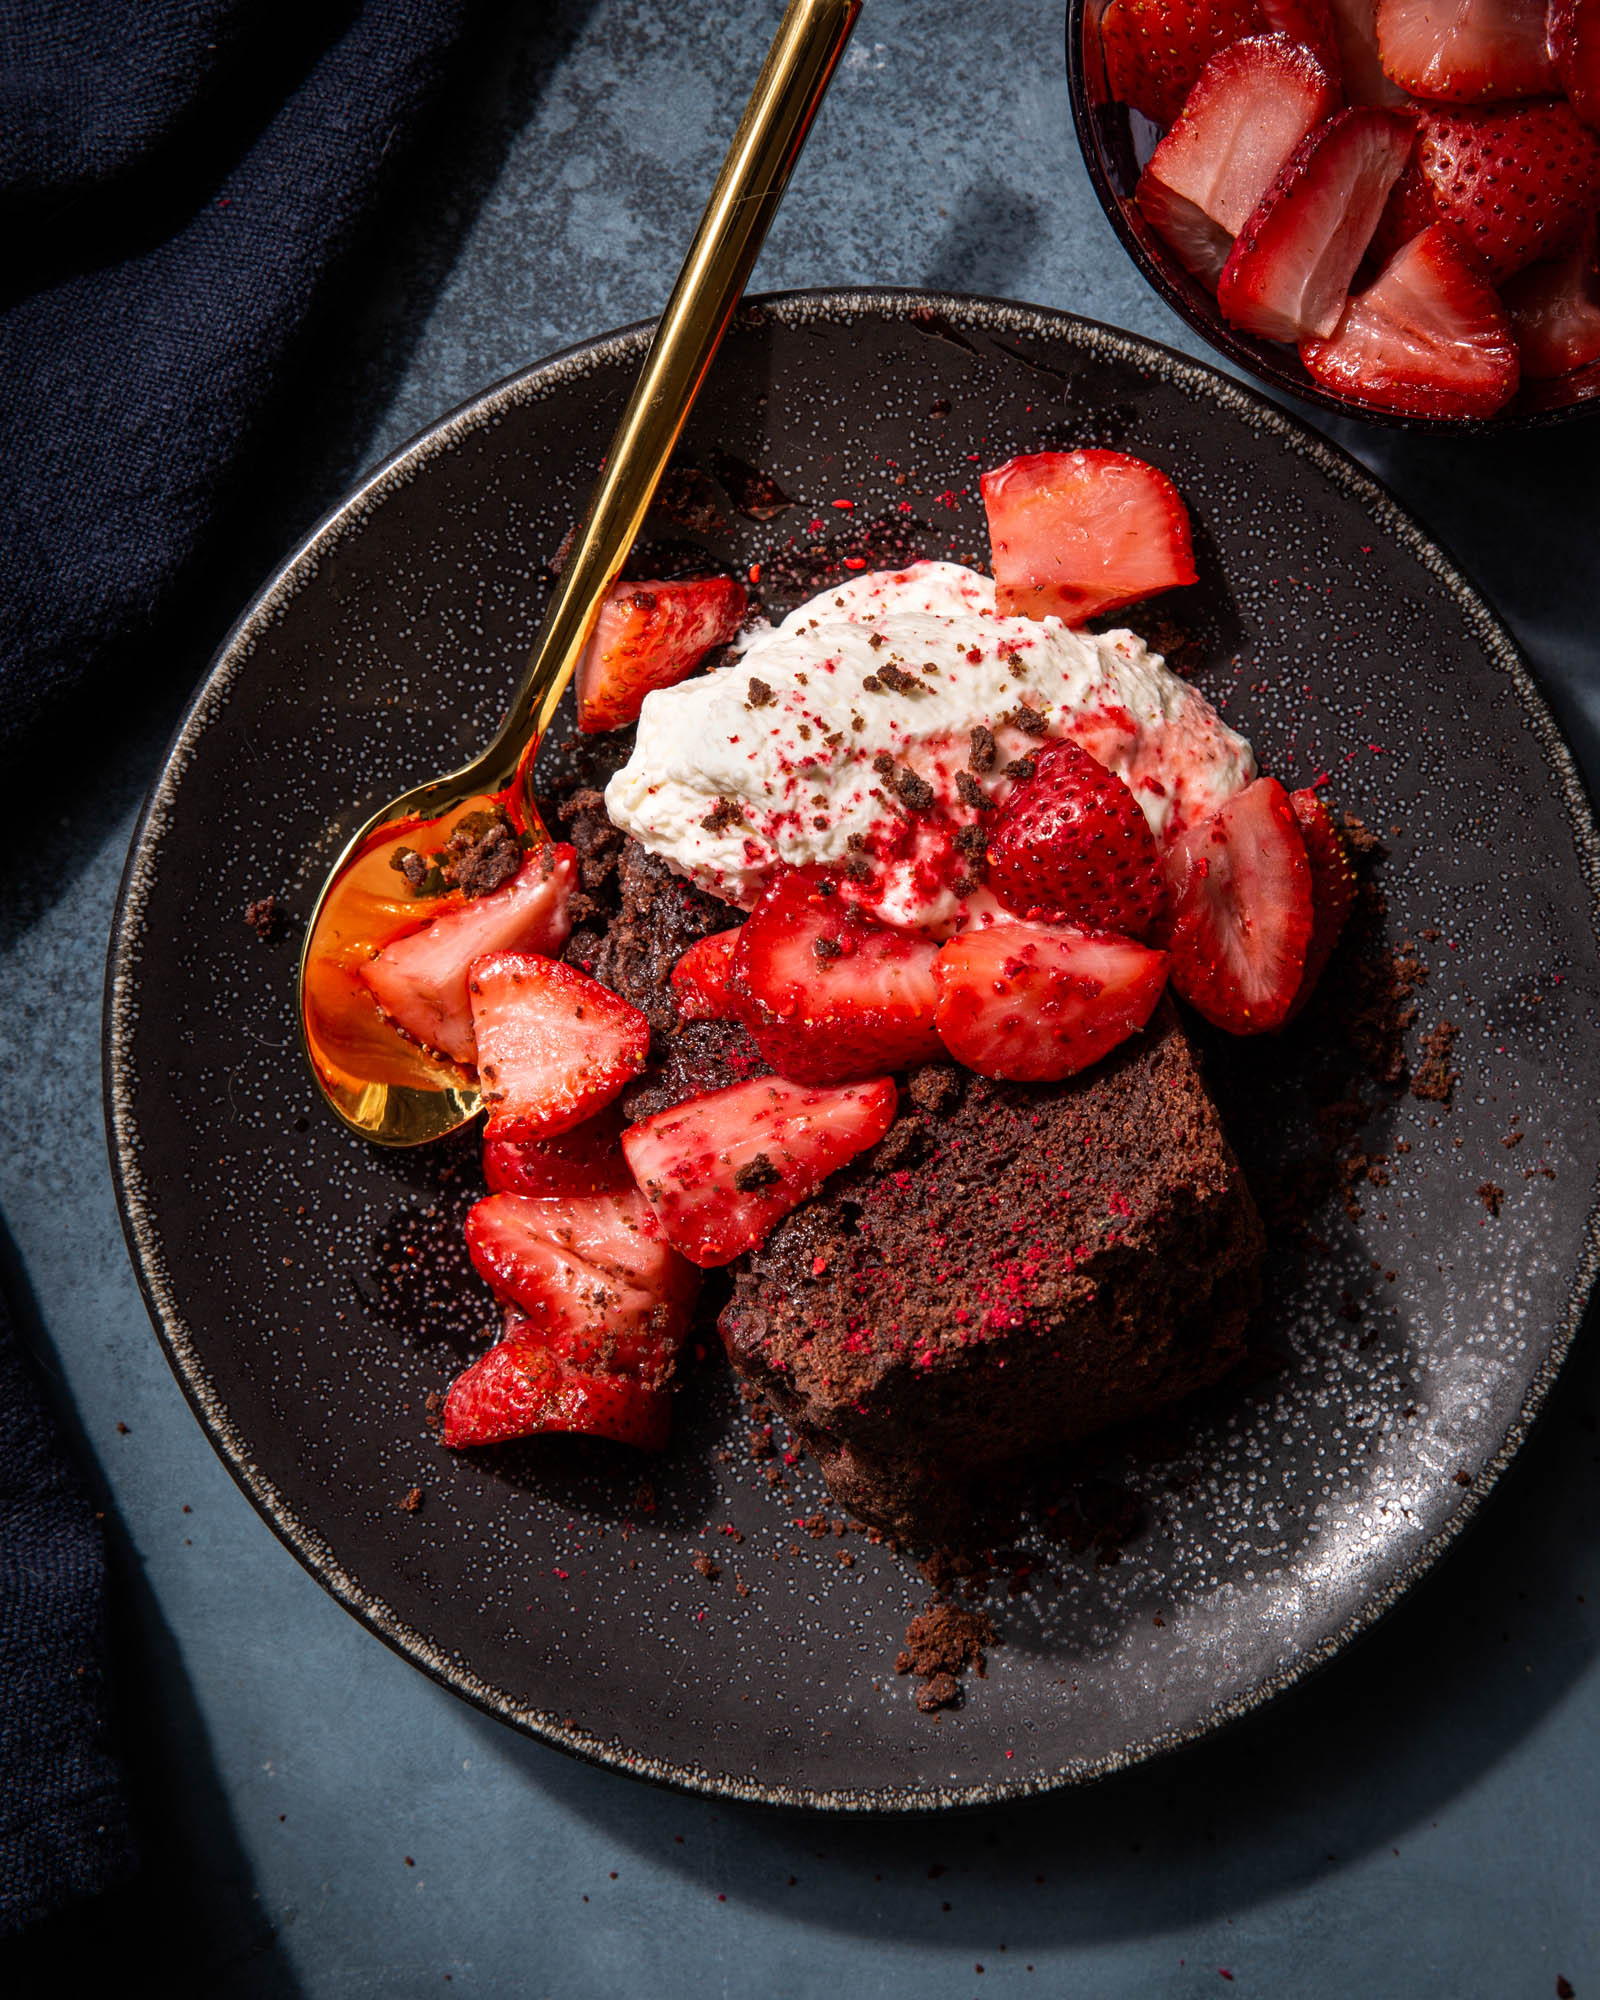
(311, 1291)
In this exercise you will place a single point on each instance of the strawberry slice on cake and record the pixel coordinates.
(554, 1045)
(699, 980)
(1072, 846)
(720, 1169)
(650, 635)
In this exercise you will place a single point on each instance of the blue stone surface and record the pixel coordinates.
(321, 1820)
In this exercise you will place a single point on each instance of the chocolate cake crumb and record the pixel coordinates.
(1435, 1079)
(971, 793)
(1363, 843)
(1028, 719)
(942, 1642)
(597, 842)
(973, 842)
(706, 1567)
(726, 812)
(1020, 769)
(262, 916)
(481, 855)
(899, 680)
(941, 1691)
(758, 694)
(411, 1501)
(1513, 1139)
(902, 1146)
(433, 1409)
(870, 684)
(915, 793)
(1492, 1197)
(935, 1088)
(756, 1173)
(984, 750)
(826, 948)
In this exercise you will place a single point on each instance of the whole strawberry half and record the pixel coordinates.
(1518, 182)
(1554, 311)
(1428, 338)
(1333, 887)
(720, 1170)
(1035, 1002)
(827, 994)
(519, 1388)
(585, 1160)
(420, 980)
(1155, 49)
(554, 1045)
(1575, 48)
(1240, 924)
(1253, 104)
(1289, 272)
(699, 980)
(1070, 845)
(1466, 51)
(650, 635)
(593, 1276)
(1077, 533)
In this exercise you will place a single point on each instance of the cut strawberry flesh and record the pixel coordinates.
(420, 980)
(518, 1389)
(595, 1278)
(699, 980)
(1253, 104)
(1290, 270)
(1355, 34)
(651, 635)
(1428, 338)
(1077, 533)
(1310, 23)
(1333, 887)
(827, 995)
(1575, 49)
(554, 1045)
(1466, 51)
(1241, 915)
(1554, 311)
(585, 1160)
(1036, 1002)
(720, 1170)
(1155, 49)
(1071, 845)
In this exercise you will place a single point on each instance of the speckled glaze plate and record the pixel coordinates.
(311, 1291)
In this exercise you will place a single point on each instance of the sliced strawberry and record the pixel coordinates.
(1253, 104)
(1355, 33)
(1070, 845)
(1428, 337)
(1554, 311)
(828, 995)
(1291, 265)
(720, 1170)
(1466, 51)
(1036, 1002)
(1519, 182)
(700, 979)
(1333, 887)
(586, 1160)
(1241, 918)
(597, 1281)
(1076, 533)
(420, 981)
(1155, 49)
(1575, 49)
(1310, 23)
(554, 1045)
(517, 1389)
(650, 635)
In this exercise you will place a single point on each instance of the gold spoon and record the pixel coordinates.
(382, 1084)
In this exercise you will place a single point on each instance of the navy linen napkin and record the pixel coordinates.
(177, 180)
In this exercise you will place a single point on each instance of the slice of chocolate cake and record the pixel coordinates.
(1014, 1267)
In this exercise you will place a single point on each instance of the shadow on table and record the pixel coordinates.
(1359, 1759)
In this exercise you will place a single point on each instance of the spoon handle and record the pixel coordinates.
(799, 65)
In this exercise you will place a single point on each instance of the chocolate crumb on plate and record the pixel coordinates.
(262, 916)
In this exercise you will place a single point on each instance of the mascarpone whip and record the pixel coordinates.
(844, 737)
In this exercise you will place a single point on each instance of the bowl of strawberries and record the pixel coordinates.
(1387, 208)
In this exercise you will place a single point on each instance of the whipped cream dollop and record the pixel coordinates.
(853, 736)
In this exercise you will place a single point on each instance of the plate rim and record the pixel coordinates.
(137, 1212)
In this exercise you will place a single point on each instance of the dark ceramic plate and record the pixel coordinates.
(311, 1292)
